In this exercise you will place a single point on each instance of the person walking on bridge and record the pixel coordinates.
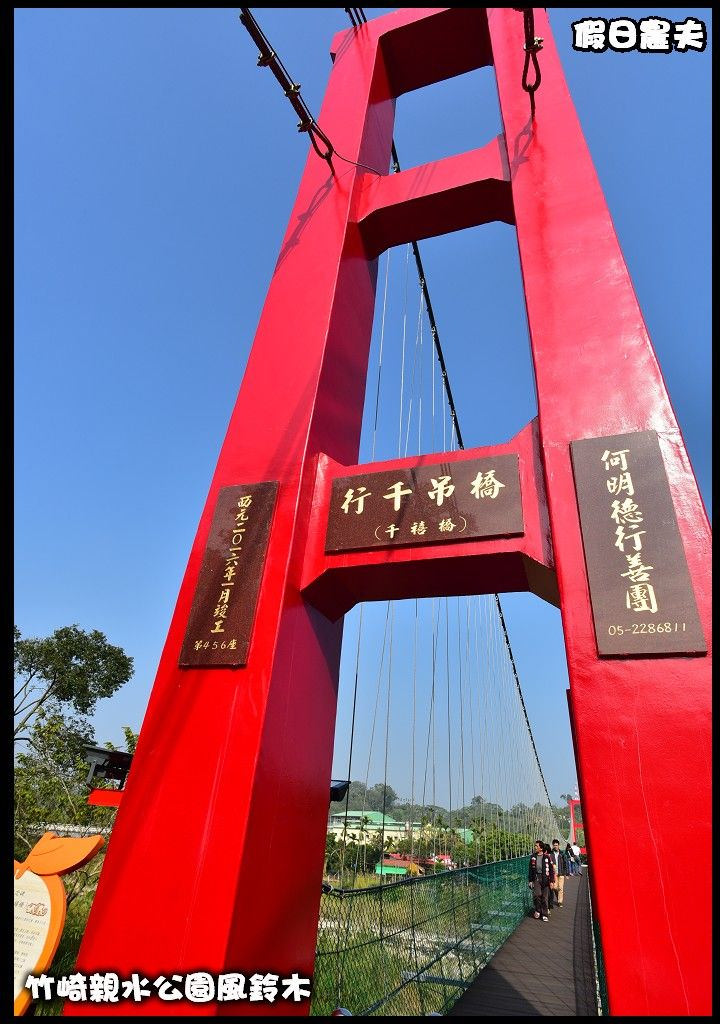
(541, 873)
(570, 857)
(561, 870)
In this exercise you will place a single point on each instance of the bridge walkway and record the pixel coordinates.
(545, 969)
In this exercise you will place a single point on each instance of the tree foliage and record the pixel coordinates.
(71, 669)
(360, 797)
(58, 681)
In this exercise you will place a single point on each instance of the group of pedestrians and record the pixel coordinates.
(548, 869)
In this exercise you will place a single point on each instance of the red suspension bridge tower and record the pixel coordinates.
(602, 477)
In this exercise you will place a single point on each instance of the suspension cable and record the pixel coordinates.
(533, 44)
(433, 328)
(357, 17)
(520, 694)
(269, 59)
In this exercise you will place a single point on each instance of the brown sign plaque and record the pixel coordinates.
(450, 501)
(640, 589)
(223, 609)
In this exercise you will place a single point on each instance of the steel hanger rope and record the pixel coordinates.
(269, 58)
(532, 45)
(360, 15)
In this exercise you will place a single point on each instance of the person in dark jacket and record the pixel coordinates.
(541, 873)
(561, 871)
(570, 857)
(548, 853)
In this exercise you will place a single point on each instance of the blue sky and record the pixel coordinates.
(155, 170)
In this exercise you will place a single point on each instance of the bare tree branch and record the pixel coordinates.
(37, 705)
(26, 683)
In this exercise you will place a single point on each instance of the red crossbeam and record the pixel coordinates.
(335, 582)
(105, 797)
(461, 191)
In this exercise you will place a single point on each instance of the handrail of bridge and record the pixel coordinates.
(412, 947)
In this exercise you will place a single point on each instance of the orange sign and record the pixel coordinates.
(40, 904)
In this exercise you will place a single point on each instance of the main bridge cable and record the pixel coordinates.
(520, 694)
(356, 16)
(532, 45)
(269, 59)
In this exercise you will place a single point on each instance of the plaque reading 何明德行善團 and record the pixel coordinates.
(640, 588)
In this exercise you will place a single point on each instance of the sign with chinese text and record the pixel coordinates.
(40, 905)
(37, 930)
(223, 609)
(449, 501)
(640, 589)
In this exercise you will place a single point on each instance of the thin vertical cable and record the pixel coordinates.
(380, 357)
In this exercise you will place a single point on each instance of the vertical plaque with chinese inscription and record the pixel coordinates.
(640, 589)
(223, 609)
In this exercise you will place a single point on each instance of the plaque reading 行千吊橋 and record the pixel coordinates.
(223, 609)
(640, 589)
(450, 501)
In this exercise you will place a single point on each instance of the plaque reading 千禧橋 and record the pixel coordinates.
(450, 501)
(640, 589)
(223, 608)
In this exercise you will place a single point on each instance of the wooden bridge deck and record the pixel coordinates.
(545, 969)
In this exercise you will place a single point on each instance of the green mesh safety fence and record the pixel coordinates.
(411, 947)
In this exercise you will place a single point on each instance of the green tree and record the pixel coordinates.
(354, 800)
(58, 681)
(131, 739)
(562, 817)
(50, 789)
(380, 797)
(71, 669)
